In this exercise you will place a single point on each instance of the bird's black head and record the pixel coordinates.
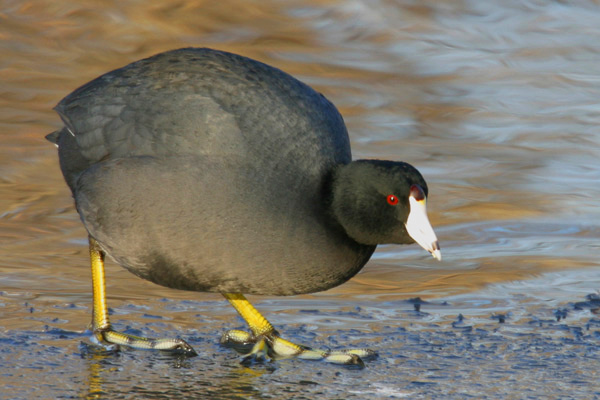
(379, 202)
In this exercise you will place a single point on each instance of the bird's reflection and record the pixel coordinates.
(107, 371)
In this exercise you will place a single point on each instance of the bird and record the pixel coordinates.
(203, 170)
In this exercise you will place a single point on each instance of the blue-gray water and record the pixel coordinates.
(496, 103)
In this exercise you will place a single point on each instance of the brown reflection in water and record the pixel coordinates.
(393, 282)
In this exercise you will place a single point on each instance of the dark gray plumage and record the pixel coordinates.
(203, 170)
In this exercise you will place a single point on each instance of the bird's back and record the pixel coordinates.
(205, 102)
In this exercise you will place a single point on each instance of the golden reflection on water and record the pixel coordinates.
(390, 282)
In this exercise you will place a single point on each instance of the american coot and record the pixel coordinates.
(203, 170)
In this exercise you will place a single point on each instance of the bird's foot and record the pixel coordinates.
(271, 345)
(111, 339)
(102, 332)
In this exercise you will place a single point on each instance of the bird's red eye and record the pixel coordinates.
(392, 200)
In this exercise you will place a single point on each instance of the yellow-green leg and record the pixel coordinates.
(101, 328)
(264, 341)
